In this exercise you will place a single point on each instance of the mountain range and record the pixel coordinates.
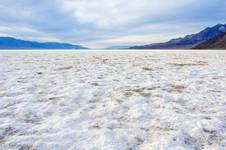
(13, 43)
(218, 42)
(118, 47)
(189, 41)
(209, 38)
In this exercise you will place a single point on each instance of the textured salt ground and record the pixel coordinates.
(113, 100)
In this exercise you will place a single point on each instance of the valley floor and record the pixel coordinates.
(113, 100)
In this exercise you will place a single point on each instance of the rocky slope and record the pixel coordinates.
(216, 43)
(188, 41)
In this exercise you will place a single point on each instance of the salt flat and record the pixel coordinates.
(137, 100)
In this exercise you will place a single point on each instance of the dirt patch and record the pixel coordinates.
(94, 127)
(175, 88)
(26, 147)
(95, 84)
(142, 91)
(64, 68)
(147, 69)
(55, 98)
(200, 63)
(39, 73)
(8, 132)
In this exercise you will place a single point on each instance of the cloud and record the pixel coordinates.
(101, 23)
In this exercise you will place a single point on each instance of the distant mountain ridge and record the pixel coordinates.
(218, 42)
(188, 41)
(118, 47)
(13, 43)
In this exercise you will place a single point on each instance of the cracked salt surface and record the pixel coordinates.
(113, 100)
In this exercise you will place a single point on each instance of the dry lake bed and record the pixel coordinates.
(113, 100)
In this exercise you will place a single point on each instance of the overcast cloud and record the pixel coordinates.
(102, 23)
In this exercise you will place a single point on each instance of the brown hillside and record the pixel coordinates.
(216, 43)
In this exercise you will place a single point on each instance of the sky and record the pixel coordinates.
(105, 23)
